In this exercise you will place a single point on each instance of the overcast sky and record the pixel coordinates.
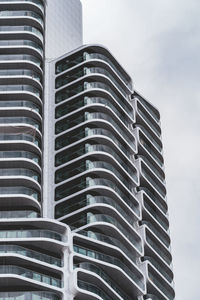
(158, 43)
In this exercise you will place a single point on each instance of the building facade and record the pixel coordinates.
(82, 186)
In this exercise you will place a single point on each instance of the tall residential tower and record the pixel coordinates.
(82, 186)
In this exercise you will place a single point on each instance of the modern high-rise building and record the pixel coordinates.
(83, 211)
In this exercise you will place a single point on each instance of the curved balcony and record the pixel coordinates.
(20, 104)
(84, 183)
(122, 227)
(161, 234)
(159, 249)
(92, 101)
(31, 138)
(162, 204)
(8, 14)
(109, 240)
(166, 272)
(23, 207)
(98, 147)
(21, 176)
(65, 208)
(20, 154)
(95, 149)
(37, 3)
(93, 289)
(135, 275)
(13, 76)
(86, 165)
(11, 30)
(155, 173)
(90, 84)
(30, 295)
(146, 121)
(91, 130)
(90, 218)
(27, 273)
(97, 270)
(156, 212)
(155, 141)
(12, 214)
(89, 69)
(150, 151)
(156, 186)
(165, 288)
(20, 57)
(27, 83)
(158, 171)
(24, 43)
(150, 109)
(90, 148)
(20, 93)
(15, 249)
(19, 191)
(83, 116)
(21, 89)
(21, 120)
(92, 134)
(88, 54)
(100, 173)
(30, 233)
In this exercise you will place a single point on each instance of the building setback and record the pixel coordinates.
(83, 211)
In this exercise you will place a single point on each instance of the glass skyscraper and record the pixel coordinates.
(83, 211)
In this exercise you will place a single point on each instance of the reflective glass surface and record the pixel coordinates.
(134, 275)
(83, 183)
(19, 190)
(9, 269)
(84, 116)
(22, 28)
(90, 85)
(89, 70)
(77, 151)
(77, 58)
(23, 103)
(31, 233)
(93, 288)
(25, 57)
(36, 2)
(97, 270)
(20, 154)
(31, 295)
(76, 204)
(17, 43)
(18, 214)
(20, 72)
(15, 120)
(30, 253)
(91, 130)
(21, 13)
(21, 137)
(77, 103)
(89, 218)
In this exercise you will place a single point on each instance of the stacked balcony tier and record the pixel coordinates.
(95, 174)
(21, 101)
(152, 196)
(32, 258)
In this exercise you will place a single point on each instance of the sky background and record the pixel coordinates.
(158, 43)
